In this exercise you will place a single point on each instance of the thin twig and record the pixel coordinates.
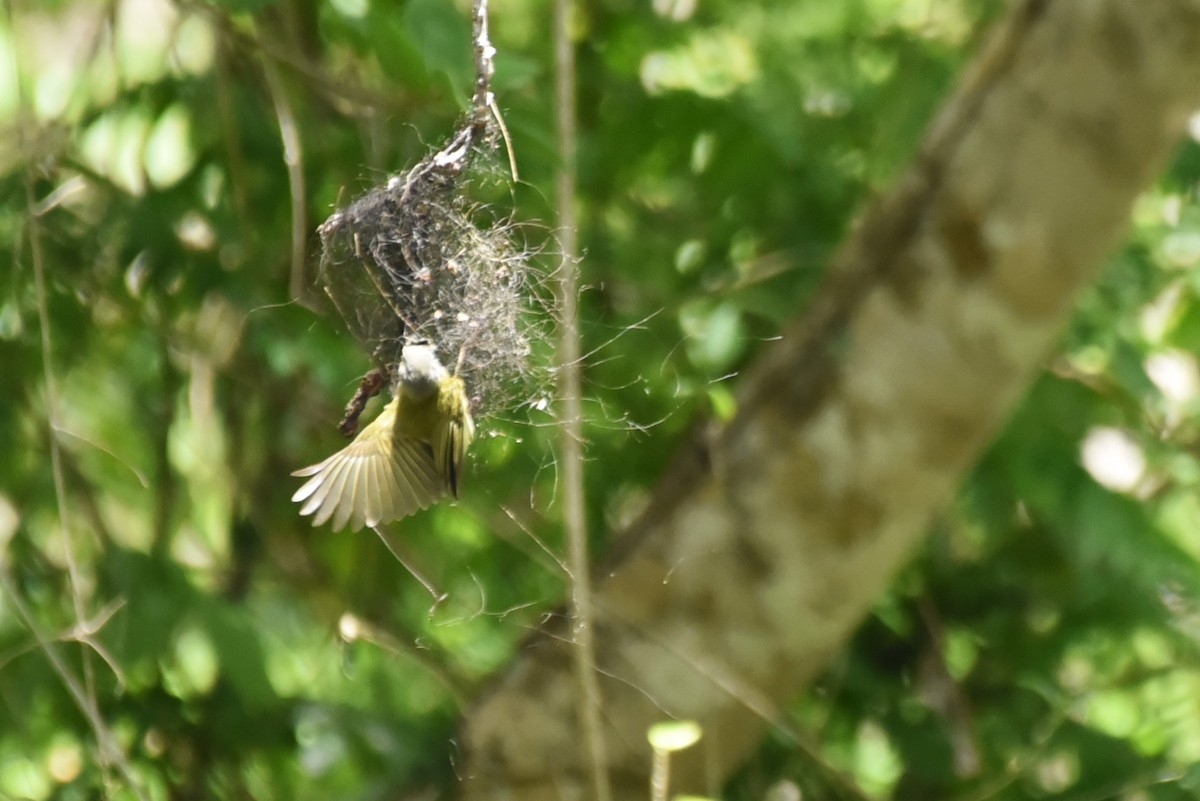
(293, 158)
(574, 516)
(110, 747)
(454, 157)
(508, 145)
(52, 415)
(545, 556)
(84, 693)
(485, 56)
(354, 628)
(396, 545)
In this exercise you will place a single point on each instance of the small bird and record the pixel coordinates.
(407, 459)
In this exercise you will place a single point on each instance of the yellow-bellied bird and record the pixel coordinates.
(407, 459)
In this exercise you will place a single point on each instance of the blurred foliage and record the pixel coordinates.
(1043, 645)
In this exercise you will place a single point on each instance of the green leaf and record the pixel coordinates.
(237, 646)
(443, 38)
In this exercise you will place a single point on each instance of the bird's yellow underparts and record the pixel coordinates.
(407, 459)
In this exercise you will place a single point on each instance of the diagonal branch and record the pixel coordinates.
(767, 542)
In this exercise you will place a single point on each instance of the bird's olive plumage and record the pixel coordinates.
(407, 459)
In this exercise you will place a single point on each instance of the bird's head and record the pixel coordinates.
(421, 374)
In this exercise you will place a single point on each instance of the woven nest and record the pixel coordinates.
(407, 259)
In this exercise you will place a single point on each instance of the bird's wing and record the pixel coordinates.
(450, 443)
(372, 480)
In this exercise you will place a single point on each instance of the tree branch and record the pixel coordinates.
(765, 544)
(588, 703)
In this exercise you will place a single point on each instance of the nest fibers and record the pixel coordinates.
(407, 259)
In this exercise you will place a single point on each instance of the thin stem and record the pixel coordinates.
(574, 517)
(110, 748)
(293, 158)
(354, 628)
(52, 416)
(484, 60)
(660, 776)
(395, 543)
(82, 692)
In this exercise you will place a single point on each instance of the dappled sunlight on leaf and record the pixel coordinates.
(1114, 459)
(711, 64)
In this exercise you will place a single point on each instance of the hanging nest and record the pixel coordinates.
(414, 258)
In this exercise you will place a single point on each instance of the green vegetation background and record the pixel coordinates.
(1043, 645)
